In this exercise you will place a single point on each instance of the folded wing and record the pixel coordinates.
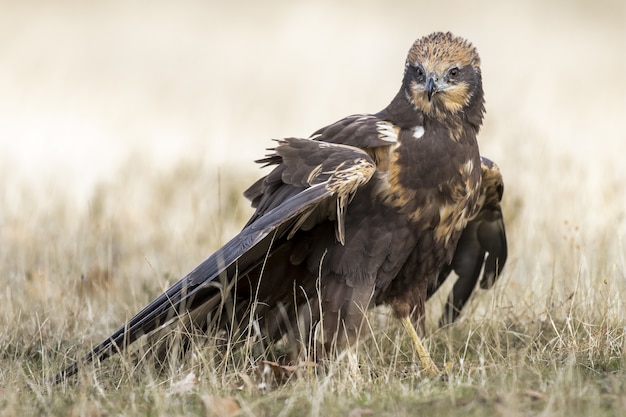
(481, 247)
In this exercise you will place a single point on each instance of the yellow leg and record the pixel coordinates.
(430, 369)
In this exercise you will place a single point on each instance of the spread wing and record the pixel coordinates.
(313, 181)
(482, 246)
(363, 131)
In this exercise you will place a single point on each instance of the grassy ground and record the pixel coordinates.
(123, 133)
(73, 278)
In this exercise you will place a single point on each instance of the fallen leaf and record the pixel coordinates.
(283, 372)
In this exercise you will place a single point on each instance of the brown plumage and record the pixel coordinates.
(368, 211)
(484, 235)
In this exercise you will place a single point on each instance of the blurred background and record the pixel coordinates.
(84, 85)
(94, 92)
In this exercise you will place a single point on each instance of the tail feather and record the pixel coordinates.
(236, 258)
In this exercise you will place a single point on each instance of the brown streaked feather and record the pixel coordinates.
(367, 211)
(484, 235)
(439, 49)
(372, 133)
(463, 99)
(201, 290)
(303, 163)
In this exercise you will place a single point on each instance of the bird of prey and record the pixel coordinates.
(366, 211)
(483, 235)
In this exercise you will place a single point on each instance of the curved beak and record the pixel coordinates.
(431, 87)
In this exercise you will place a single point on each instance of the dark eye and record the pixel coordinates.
(419, 72)
(453, 72)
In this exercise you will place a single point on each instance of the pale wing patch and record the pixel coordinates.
(344, 182)
(387, 131)
(315, 172)
(468, 166)
(418, 132)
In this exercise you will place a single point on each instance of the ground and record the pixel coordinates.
(127, 134)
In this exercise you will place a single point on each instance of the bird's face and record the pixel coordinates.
(442, 74)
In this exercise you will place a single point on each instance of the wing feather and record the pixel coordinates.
(482, 246)
(343, 170)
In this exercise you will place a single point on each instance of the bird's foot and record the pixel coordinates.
(429, 368)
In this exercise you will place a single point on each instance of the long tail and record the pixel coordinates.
(235, 258)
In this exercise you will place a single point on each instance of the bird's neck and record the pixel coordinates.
(438, 163)
(404, 114)
(401, 113)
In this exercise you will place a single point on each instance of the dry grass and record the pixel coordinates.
(114, 183)
(72, 278)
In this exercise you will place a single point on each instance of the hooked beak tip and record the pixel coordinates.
(431, 87)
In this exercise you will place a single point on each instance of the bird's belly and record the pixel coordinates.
(378, 241)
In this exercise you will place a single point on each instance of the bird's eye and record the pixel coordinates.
(419, 71)
(454, 71)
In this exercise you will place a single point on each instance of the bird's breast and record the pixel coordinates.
(433, 179)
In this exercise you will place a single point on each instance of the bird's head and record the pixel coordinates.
(442, 76)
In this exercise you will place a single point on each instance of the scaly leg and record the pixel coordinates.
(429, 367)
